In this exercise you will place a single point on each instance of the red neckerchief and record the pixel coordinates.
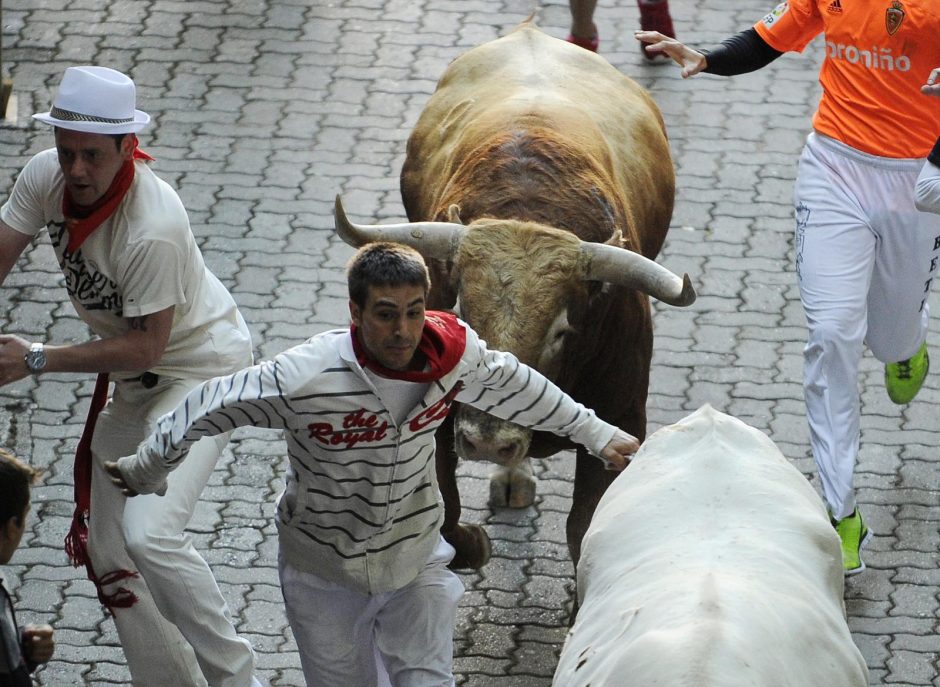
(443, 342)
(76, 541)
(82, 220)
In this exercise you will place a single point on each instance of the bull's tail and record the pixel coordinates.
(530, 20)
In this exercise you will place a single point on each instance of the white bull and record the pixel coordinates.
(710, 562)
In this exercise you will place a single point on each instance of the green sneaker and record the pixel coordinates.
(904, 379)
(854, 534)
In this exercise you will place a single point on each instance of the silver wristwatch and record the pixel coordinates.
(35, 358)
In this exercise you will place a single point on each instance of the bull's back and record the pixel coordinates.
(710, 562)
(528, 80)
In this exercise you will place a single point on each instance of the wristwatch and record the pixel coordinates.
(35, 358)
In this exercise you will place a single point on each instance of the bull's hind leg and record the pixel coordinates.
(471, 543)
(513, 487)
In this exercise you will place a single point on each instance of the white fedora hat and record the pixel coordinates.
(95, 100)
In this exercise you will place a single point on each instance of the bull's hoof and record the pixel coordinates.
(472, 545)
(512, 488)
(522, 492)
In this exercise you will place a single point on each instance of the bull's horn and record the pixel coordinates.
(437, 240)
(621, 266)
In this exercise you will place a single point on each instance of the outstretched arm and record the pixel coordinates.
(252, 397)
(744, 52)
(504, 387)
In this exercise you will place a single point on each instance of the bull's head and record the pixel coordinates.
(523, 287)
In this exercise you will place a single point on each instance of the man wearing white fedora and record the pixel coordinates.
(163, 323)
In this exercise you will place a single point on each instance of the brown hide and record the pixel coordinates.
(531, 124)
(521, 274)
(547, 138)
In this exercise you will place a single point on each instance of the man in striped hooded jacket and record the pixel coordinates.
(363, 565)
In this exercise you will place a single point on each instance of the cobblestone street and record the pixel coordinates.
(263, 112)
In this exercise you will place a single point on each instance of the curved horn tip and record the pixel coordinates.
(344, 228)
(687, 296)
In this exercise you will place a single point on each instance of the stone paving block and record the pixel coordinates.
(911, 668)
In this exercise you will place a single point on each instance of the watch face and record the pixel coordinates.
(35, 359)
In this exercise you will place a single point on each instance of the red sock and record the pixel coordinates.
(586, 43)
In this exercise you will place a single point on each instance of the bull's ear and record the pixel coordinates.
(453, 214)
(616, 239)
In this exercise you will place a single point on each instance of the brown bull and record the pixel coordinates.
(560, 166)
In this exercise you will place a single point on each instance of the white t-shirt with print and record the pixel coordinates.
(141, 260)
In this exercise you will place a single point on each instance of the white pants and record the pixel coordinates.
(180, 631)
(865, 258)
(404, 638)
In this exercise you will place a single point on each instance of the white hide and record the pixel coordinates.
(710, 562)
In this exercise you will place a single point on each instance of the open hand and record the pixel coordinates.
(117, 478)
(691, 61)
(126, 474)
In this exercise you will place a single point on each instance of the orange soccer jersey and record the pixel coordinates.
(878, 55)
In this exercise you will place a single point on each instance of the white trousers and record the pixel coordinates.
(865, 259)
(180, 630)
(403, 638)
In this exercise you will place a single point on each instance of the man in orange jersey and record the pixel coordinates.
(865, 255)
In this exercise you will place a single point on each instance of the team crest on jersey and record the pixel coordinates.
(894, 15)
(775, 14)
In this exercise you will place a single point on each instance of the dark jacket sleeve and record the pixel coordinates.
(744, 52)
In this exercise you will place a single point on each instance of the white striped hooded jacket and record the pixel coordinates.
(361, 507)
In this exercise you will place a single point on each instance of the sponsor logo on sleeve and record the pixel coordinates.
(771, 18)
